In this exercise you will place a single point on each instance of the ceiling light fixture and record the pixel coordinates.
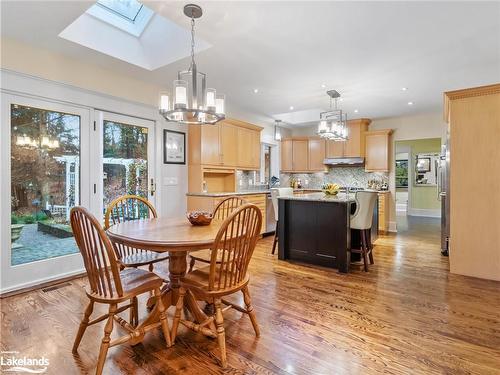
(410, 103)
(323, 86)
(255, 91)
(193, 102)
(291, 108)
(277, 130)
(333, 123)
(404, 88)
(356, 111)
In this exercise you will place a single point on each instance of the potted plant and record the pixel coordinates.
(15, 229)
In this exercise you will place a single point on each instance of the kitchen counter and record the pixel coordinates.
(244, 192)
(322, 197)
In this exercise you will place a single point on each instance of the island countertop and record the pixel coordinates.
(321, 197)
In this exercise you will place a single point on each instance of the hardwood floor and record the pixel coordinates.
(407, 315)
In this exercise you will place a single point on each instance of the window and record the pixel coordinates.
(128, 9)
(127, 15)
(401, 173)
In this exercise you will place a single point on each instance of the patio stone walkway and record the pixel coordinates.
(38, 245)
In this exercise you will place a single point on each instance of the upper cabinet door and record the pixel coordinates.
(355, 145)
(300, 159)
(229, 144)
(377, 151)
(255, 149)
(316, 154)
(244, 148)
(335, 149)
(210, 145)
(286, 155)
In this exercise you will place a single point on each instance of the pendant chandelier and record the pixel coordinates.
(193, 102)
(333, 123)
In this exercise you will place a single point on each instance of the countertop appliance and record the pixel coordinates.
(444, 194)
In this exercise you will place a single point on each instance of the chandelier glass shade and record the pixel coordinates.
(44, 142)
(191, 101)
(333, 123)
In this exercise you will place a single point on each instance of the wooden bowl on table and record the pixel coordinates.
(200, 217)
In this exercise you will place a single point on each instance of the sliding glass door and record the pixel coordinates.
(45, 172)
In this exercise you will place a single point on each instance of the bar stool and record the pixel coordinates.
(362, 221)
(275, 193)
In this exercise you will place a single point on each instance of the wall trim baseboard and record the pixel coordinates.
(41, 283)
(424, 212)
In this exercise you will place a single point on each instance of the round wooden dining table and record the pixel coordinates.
(175, 236)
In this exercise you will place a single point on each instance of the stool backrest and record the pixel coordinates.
(97, 252)
(279, 192)
(227, 206)
(233, 247)
(363, 216)
(126, 208)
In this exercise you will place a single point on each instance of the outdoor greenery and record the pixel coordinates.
(28, 219)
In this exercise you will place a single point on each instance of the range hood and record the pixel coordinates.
(344, 161)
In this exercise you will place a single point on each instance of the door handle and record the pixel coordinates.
(152, 188)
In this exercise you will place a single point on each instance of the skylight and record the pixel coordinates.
(128, 9)
(127, 15)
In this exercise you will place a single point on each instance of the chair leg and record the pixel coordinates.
(178, 310)
(221, 336)
(134, 312)
(151, 267)
(191, 264)
(275, 241)
(363, 249)
(163, 318)
(370, 246)
(250, 310)
(83, 325)
(106, 339)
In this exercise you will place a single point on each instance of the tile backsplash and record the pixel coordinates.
(344, 176)
(249, 180)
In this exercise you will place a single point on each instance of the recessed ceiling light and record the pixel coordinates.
(255, 91)
(356, 111)
(404, 88)
(323, 86)
(410, 103)
(341, 99)
(291, 108)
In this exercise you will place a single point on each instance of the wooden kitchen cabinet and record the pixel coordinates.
(300, 158)
(354, 147)
(383, 211)
(210, 144)
(229, 141)
(316, 154)
(334, 149)
(286, 155)
(377, 150)
(303, 154)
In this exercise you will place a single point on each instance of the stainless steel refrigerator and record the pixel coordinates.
(444, 193)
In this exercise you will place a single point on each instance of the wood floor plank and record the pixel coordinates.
(407, 315)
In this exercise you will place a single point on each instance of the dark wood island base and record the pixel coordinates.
(314, 229)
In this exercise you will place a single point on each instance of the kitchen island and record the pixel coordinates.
(315, 228)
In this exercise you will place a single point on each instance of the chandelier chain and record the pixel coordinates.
(192, 42)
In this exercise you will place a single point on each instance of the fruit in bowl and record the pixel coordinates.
(330, 189)
(200, 217)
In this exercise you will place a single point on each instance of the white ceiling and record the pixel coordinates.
(367, 51)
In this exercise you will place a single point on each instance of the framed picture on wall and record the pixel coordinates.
(174, 147)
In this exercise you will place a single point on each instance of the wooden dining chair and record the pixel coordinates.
(126, 208)
(221, 212)
(109, 285)
(235, 241)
